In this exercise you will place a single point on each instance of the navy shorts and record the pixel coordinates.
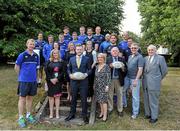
(27, 89)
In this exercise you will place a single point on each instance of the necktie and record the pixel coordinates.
(115, 70)
(149, 60)
(78, 61)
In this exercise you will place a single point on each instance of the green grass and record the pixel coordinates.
(169, 117)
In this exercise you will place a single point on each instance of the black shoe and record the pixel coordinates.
(86, 120)
(153, 120)
(99, 117)
(120, 114)
(70, 117)
(147, 117)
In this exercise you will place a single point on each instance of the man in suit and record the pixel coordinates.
(154, 71)
(79, 63)
(117, 75)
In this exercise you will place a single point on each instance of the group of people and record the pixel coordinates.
(107, 68)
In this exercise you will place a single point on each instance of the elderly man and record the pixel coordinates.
(154, 71)
(117, 75)
(132, 80)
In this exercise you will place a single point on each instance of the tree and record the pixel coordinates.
(160, 22)
(22, 19)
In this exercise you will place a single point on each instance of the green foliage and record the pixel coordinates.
(22, 19)
(160, 22)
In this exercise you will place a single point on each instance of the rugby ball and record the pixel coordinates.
(117, 64)
(79, 76)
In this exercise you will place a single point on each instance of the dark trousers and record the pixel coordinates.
(81, 86)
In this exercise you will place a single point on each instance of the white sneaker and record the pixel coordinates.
(134, 116)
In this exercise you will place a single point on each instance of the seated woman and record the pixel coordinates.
(102, 84)
(55, 70)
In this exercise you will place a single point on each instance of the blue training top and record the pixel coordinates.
(28, 65)
(123, 45)
(82, 38)
(47, 51)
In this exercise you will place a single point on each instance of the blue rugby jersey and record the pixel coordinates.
(75, 42)
(82, 38)
(123, 45)
(47, 51)
(28, 66)
(67, 38)
(63, 46)
(90, 39)
(99, 38)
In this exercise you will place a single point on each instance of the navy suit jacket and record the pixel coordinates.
(85, 66)
(122, 74)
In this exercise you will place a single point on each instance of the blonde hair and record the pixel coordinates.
(102, 55)
(89, 42)
(30, 40)
(51, 55)
(70, 43)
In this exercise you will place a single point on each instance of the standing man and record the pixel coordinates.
(154, 71)
(124, 44)
(90, 36)
(75, 39)
(113, 43)
(26, 65)
(62, 45)
(105, 43)
(117, 75)
(127, 51)
(99, 38)
(79, 63)
(82, 35)
(48, 47)
(132, 80)
(39, 44)
(67, 36)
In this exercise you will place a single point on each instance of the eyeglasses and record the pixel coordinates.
(133, 48)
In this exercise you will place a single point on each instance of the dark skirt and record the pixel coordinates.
(54, 90)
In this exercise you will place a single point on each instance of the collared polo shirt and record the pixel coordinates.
(28, 65)
(82, 38)
(123, 45)
(99, 38)
(134, 62)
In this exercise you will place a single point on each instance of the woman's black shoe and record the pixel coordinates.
(99, 117)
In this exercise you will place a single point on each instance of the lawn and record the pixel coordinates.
(169, 117)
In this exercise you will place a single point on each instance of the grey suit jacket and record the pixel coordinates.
(154, 72)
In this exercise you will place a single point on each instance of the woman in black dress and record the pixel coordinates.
(68, 54)
(92, 55)
(55, 69)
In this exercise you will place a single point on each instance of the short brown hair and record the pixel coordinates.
(113, 34)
